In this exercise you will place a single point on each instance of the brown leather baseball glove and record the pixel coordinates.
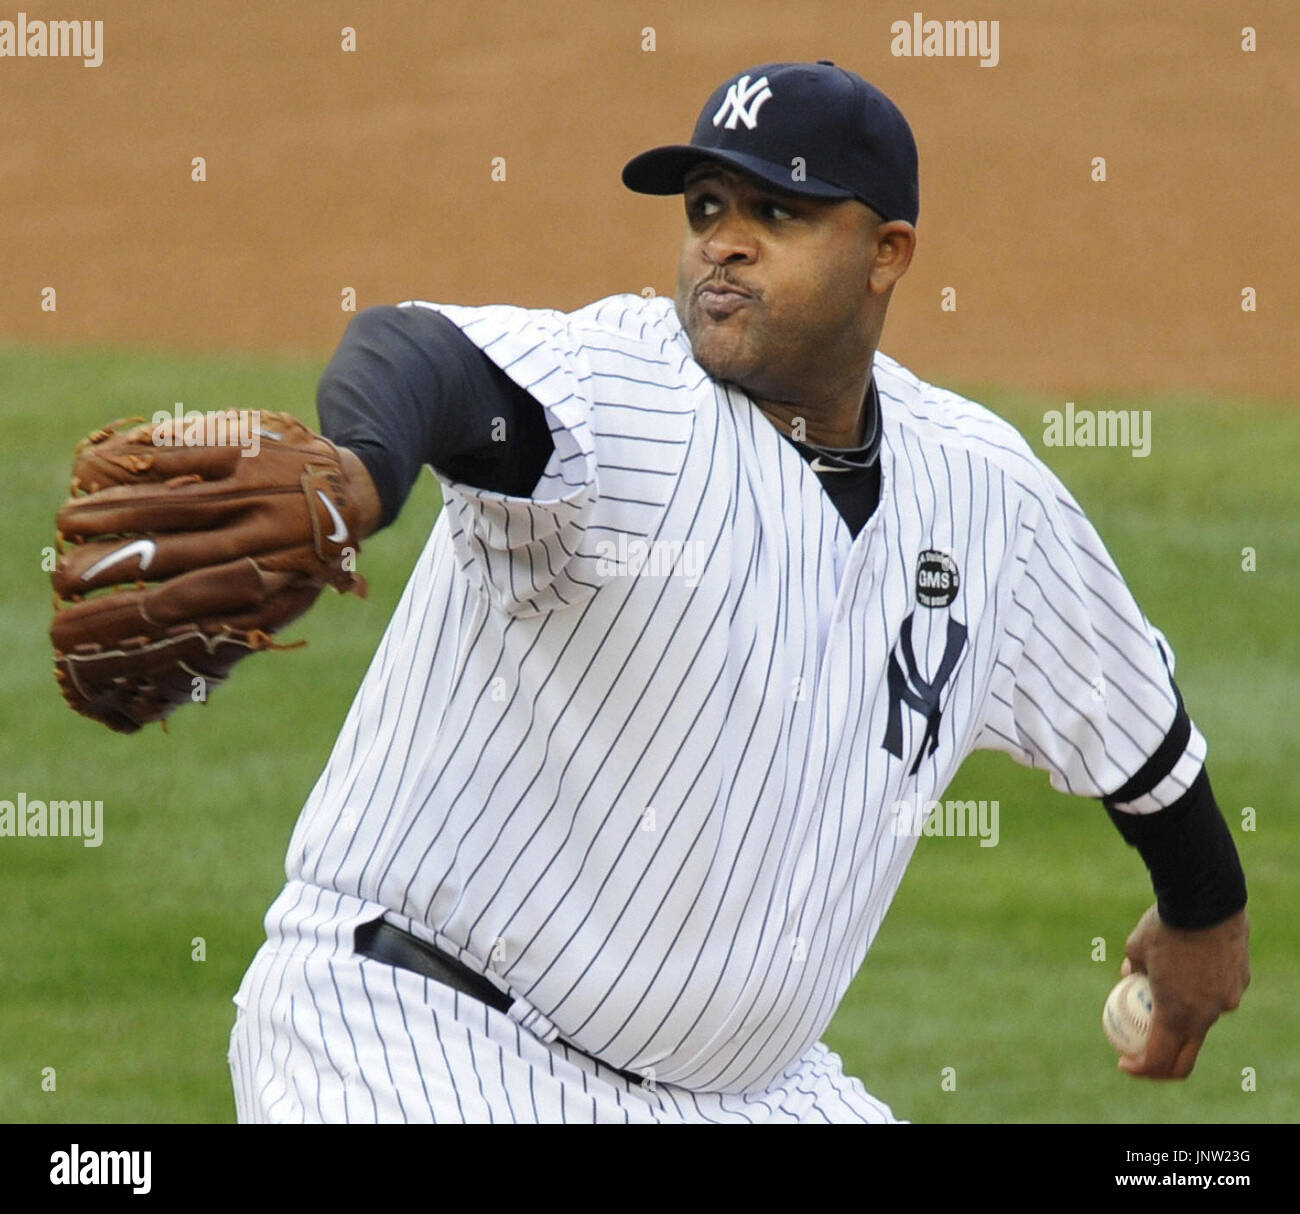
(212, 535)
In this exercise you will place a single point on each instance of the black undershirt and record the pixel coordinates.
(850, 476)
(394, 365)
(407, 388)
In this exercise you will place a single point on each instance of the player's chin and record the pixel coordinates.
(723, 361)
(723, 349)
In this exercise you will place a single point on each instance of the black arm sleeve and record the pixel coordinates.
(1188, 849)
(1186, 846)
(406, 387)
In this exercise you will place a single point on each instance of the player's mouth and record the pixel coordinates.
(721, 299)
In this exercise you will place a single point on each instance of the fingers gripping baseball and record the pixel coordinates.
(1195, 976)
(200, 551)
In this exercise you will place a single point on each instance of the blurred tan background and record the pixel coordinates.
(372, 170)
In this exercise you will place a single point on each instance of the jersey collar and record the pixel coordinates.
(849, 459)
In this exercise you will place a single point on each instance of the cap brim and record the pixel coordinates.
(663, 171)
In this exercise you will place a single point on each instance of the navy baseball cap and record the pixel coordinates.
(808, 128)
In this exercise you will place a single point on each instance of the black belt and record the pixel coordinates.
(382, 941)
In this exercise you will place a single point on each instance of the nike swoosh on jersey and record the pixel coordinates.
(340, 527)
(144, 549)
(818, 466)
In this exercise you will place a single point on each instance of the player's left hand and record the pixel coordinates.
(1195, 977)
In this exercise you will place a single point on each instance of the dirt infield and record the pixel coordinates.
(373, 169)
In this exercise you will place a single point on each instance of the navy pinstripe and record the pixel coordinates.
(655, 808)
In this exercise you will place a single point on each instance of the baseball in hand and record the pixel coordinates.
(1127, 1014)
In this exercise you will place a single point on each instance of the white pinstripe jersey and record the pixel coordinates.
(655, 803)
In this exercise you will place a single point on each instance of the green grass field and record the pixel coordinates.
(983, 964)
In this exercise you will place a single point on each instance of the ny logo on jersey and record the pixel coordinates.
(916, 692)
(743, 102)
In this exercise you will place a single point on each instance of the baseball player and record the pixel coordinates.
(720, 592)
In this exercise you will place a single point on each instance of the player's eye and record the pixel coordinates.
(774, 210)
(703, 206)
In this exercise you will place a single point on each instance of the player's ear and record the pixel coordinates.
(895, 241)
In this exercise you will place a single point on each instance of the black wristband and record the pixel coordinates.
(1194, 866)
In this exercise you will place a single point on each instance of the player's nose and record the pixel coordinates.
(730, 241)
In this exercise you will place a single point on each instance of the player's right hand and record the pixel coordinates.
(185, 545)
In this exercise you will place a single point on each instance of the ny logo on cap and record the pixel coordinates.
(743, 102)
